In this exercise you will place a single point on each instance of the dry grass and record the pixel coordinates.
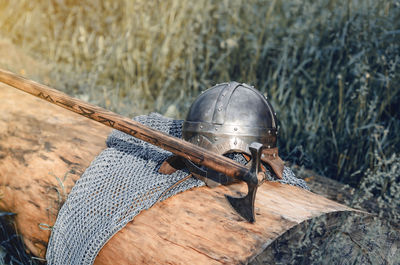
(330, 67)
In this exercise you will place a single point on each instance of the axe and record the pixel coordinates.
(253, 177)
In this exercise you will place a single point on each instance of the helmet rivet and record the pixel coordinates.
(235, 129)
(201, 126)
(219, 109)
(215, 139)
(216, 128)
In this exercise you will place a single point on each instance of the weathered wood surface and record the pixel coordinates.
(198, 227)
(43, 151)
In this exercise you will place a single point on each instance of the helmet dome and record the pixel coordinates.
(229, 117)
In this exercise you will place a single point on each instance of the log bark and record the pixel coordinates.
(43, 151)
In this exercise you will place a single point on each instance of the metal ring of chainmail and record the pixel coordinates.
(123, 175)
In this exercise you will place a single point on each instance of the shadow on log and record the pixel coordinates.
(43, 151)
(335, 238)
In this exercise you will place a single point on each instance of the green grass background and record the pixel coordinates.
(329, 67)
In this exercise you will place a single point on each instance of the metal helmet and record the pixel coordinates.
(228, 117)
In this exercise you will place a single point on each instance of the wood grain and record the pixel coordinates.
(43, 151)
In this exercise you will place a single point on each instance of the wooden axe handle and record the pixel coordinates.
(175, 145)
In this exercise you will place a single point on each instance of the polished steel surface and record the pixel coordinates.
(229, 117)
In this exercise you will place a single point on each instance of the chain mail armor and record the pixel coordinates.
(123, 175)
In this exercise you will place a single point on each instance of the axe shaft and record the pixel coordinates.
(175, 145)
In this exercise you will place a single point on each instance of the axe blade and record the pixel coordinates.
(245, 206)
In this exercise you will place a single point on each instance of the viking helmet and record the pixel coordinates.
(228, 117)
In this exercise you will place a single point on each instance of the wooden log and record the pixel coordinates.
(43, 151)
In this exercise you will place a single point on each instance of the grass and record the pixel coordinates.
(11, 246)
(329, 67)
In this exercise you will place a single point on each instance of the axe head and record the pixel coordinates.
(245, 206)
